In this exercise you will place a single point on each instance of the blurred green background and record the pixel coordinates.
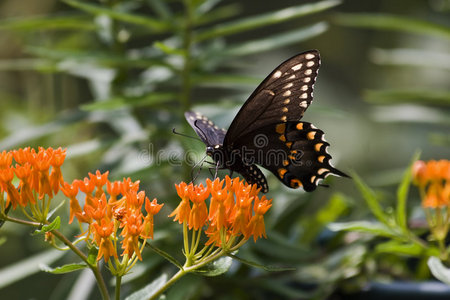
(110, 79)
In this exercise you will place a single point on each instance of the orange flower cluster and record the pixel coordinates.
(32, 168)
(234, 209)
(433, 179)
(116, 212)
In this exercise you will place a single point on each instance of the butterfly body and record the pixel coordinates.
(267, 130)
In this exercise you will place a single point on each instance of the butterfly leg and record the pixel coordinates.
(199, 163)
(217, 169)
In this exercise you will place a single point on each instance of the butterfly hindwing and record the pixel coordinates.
(295, 152)
(283, 96)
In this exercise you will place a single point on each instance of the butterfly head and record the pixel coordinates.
(209, 151)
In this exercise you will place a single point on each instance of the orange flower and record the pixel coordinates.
(71, 191)
(256, 225)
(5, 159)
(131, 233)
(433, 179)
(152, 208)
(113, 214)
(102, 234)
(26, 193)
(217, 209)
(231, 212)
(183, 210)
(199, 211)
(6, 177)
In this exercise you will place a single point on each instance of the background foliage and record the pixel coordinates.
(110, 79)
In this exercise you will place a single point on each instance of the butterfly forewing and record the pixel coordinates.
(283, 96)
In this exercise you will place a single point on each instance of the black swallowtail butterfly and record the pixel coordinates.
(267, 130)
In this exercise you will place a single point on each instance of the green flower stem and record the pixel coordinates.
(187, 269)
(19, 221)
(100, 282)
(118, 283)
(94, 268)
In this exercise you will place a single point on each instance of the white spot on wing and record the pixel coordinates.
(304, 104)
(287, 93)
(310, 64)
(309, 56)
(296, 67)
(306, 79)
(308, 72)
(288, 85)
(303, 96)
(277, 74)
(304, 88)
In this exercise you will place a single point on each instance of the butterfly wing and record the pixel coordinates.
(283, 96)
(208, 132)
(295, 152)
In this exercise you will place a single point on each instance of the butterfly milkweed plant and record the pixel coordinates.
(114, 220)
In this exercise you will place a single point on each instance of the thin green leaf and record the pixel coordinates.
(371, 199)
(422, 96)
(402, 194)
(92, 255)
(375, 228)
(50, 214)
(115, 103)
(399, 248)
(265, 19)
(26, 267)
(207, 6)
(167, 49)
(259, 266)
(49, 227)
(282, 288)
(154, 24)
(438, 269)
(218, 14)
(225, 80)
(165, 255)
(216, 267)
(47, 23)
(64, 269)
(187, 287)
(393, 22)
(93, 57)
(161, 8)
(328, 213)
(149, 290)
(278, 40)
(43, 65)
(422, 58)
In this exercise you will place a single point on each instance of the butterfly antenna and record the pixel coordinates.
(185, 135)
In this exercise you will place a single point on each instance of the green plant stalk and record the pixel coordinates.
(94, 268)
(118, 49)
(186, 269)
(187, 65)
(186, 82)
(118, 283)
